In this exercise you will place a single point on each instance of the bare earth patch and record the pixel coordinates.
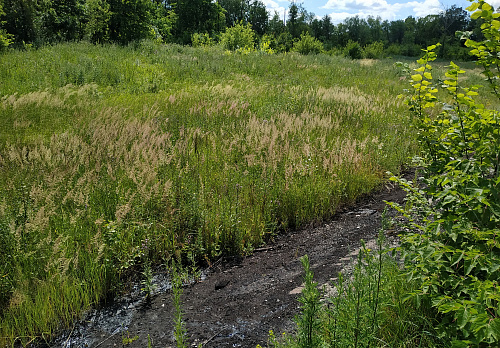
(241, 300)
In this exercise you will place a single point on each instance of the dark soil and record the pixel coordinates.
(240, 301)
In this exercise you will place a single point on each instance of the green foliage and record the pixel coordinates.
(130, 20)
(20, 18)
(486, 51)
(374, 50)
(266, 44)
(452, 247)
(197, 16)
(364, 308)
(5, 38)
(98, 20)
(308, 321)
(163, 23)
(180, 332)
(353, 50)
(60, 20)
(307, 45)
(283, 42)
(240, 37)
(201, 40)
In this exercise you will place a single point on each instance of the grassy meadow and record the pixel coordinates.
(113, 158)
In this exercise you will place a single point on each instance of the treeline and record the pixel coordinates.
(39, 22)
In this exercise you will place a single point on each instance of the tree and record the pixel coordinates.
(197, 16)
(276, 25)
(98, 15)
(397, 31)
(5, 38)
(357, 29)
(427, 30)
(163, 21)
(20, 20)
(60, 20)
(453, 19)
(297, 20)
(236, 11)
(130, 20)
(258, 17)
(307, 45)
(375, 28)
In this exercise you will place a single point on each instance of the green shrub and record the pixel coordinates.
(201, 40)
(284, 42)
(452, 245)
(308, 44)
(353, 50)
(374, 50)
(266, 44)
(5, 38)
(239, 37)
(393, 50)
(410, 50)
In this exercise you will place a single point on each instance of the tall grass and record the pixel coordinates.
(113, 158)
(366, 307)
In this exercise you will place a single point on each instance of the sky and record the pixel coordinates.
(391, 10)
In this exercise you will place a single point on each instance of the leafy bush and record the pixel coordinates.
(308, 44)
(239, 37)
(453, 243)
(393, 50)
(5, 38)
(374, 50)
(284, 42)
(410, 50)
(266, 43)
(201, 40)
(353, 50)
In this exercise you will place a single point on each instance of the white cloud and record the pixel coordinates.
(495, 4)
(422, 9)
(364, 8)
(273, 6)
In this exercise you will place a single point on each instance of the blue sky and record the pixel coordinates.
(338, 10)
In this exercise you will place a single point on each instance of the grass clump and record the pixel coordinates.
(368, 307)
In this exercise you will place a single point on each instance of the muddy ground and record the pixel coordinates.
(239, 301)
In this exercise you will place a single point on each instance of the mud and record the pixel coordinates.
(238, 301)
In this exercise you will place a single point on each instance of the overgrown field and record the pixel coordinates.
(114, 158)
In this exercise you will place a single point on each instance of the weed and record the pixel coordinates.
(179, 325)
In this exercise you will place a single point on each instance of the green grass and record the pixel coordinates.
(368, 306)
(113, 158)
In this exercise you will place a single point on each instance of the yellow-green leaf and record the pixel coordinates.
(495, 24)
(421, 69)
(476, 14)
(486, 6)
(473, 7)
(428, 75)
(416, 77)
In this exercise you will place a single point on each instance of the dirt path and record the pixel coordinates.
(238, 303)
